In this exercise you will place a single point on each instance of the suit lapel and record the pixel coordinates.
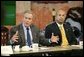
(33, 33)
(66, 30)
(59, 32)
(22, 36)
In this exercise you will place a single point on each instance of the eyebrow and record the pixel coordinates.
(27, 17)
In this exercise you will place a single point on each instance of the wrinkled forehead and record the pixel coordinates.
(28, 15)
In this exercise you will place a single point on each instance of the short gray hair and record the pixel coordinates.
(27, 11)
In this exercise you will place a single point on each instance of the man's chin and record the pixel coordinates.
(27, 25)
(60, 22)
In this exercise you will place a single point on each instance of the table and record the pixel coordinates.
(74, 50)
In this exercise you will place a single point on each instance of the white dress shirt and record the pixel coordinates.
(25, 33)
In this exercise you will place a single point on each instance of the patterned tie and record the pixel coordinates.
(64, 38)
(28, 38)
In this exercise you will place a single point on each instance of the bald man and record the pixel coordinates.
(56, 35)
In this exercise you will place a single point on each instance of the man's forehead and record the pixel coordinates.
(61, 11)
(28, 14)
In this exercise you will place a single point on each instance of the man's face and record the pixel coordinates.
(27, 19)
(61, 15)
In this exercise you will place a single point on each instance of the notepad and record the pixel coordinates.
(6, 50)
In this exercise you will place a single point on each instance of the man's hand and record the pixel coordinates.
(15, 37)
(54, 38)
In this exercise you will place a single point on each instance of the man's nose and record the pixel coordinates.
(61, 17)
(27, 20)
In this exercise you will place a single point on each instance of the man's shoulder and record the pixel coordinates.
(16, 26)
(67, 25)
(34, 27)
(51, 24)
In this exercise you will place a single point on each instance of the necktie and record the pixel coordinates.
(28, 38)
(64, 38)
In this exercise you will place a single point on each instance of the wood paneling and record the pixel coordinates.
(42, 16)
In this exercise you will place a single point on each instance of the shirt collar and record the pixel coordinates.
(59, 24)
(24, 26)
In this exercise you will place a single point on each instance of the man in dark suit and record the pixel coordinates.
(55, 35)
(18, 34)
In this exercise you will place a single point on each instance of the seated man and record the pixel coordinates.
(25, 33)
(59, 32)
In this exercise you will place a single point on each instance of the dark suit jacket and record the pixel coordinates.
(21, 41)
(53, 28)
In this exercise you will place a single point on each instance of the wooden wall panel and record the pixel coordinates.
(42, 16)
